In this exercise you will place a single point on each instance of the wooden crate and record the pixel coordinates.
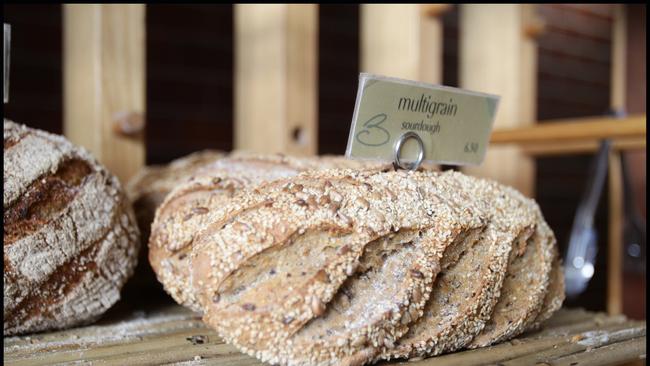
(169, 334)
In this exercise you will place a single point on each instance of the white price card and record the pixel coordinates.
(453, 125)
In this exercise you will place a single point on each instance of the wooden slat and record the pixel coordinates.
(615, 230)
(276, 78)
(302, 79)
(590, 128)
(532, 346)
(615, 172)
(613, 354)
(403, 40)
(390, 39)
(104, 83)
(580, 147)
(498, 57)
(581, 342)
(431, 40)
(173, 335)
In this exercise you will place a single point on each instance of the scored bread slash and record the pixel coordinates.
(457, 298)
(464, 295)
(390, 287)
(265, 238)
(268, 306)
(193, 204)
(188, 208)
(523, 289)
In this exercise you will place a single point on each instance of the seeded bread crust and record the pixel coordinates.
(146, 191)
(464, 296)
(185, 211)
(370, 309)
(190, 207)
(369, 206)
(524, 288)
(555, 295)
(341, 338)
(70, 237)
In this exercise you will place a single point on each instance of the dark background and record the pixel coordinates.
(190, 80)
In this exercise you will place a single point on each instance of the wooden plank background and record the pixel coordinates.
(170, 334)
(104, 83)
(275, 78)
(498, 57)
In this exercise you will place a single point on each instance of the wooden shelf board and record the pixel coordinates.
(171, 334)
(583, 129)
(581, 147)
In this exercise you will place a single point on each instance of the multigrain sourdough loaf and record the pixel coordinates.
(338, 267)
(323, 269)
(187, 208)
(70, 237)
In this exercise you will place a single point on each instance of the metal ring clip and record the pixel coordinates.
(398, 148)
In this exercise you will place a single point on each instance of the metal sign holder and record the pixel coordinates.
(398, 150)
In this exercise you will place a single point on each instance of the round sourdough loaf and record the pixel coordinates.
(70, 237)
